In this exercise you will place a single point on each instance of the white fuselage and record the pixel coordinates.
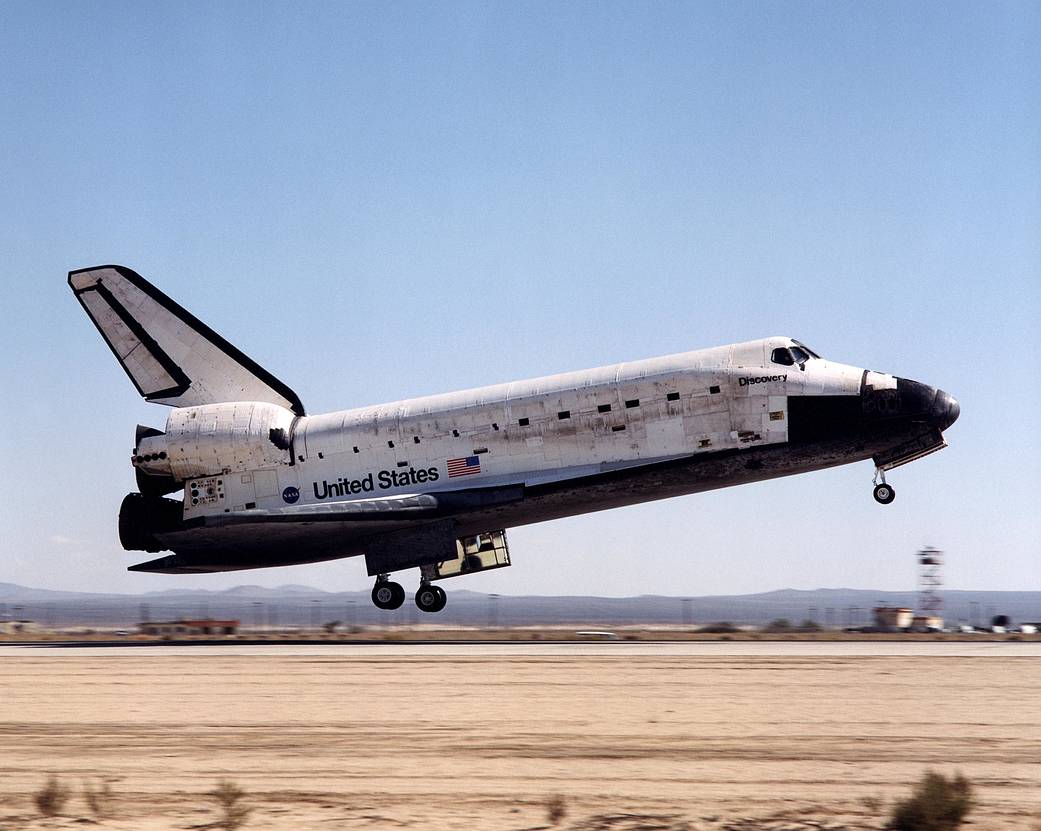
(525, 432)
(434, 482)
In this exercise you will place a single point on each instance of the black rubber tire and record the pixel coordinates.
(430, 598)
(387, 594)
(442, 599)
(884, 494)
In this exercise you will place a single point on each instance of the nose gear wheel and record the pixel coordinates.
(883, 493)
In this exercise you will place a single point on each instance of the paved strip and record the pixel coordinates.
(735, 649)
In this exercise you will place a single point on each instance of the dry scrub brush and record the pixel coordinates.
(99, 799)
(51, 798)
(229, 798)
(936, 804)
(556, 809)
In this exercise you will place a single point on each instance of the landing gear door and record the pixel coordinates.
(480, 553)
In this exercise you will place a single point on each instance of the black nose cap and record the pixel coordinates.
(945, 410)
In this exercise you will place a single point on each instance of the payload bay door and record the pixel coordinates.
(480, 553)
(665, 436)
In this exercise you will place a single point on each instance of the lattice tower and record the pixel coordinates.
(930, 581)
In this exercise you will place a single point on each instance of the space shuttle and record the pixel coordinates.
(433, 483)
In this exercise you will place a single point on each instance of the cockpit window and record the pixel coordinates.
(782, 356)
(801, 355)
(806, 349)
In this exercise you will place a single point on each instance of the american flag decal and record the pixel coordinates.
(464, 466)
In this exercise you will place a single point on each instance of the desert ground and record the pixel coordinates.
(629, 736)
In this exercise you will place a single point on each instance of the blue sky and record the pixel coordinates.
(381, 200)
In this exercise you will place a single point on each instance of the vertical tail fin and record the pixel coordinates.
(170, 355)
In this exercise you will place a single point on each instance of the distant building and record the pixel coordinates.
(17, 627)
(189, 627)
(927, 623)
(893, 618)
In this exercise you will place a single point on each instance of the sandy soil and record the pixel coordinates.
(463, 740)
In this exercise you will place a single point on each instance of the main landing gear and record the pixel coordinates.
(430, 598)
(387, 594)
(883, 493)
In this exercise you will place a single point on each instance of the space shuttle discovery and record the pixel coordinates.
(434, 482)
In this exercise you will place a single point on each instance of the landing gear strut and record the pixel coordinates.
(387, 594)
(430, 598)
(883, 493)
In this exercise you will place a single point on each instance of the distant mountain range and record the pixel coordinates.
(305, 606)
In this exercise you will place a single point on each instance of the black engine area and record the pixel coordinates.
(142, 517)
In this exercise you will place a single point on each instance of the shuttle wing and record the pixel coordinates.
(388, 508)
(170, 355)
(259, 538)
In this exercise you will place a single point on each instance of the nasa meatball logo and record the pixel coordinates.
(290, 495)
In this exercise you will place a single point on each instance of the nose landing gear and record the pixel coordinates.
(883, 493)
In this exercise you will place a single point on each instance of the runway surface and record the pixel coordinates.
(718, 735)
(761, 649)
